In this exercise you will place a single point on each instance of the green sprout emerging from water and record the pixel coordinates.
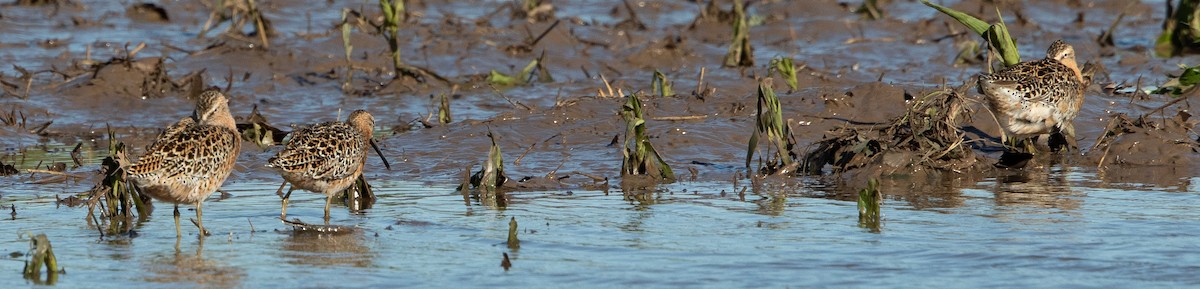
(740, 53)
(769, 122)
(444, 110)
(513, 242)
(639, 156)
(1181, 30)
(662, 85)
(42, 256)
(869, 201)
(391, 32)
(996, 34)
(524, 76)
(491, 176)
(870, 10)
(787, 69)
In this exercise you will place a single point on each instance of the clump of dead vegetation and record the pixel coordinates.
(114, 204)
(927, 135)
(240, 13)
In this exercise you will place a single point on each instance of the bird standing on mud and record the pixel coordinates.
(192, 158)
(326, 157)
(1037, 97)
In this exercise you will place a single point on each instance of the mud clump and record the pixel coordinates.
(926, 136)
(1143, 141)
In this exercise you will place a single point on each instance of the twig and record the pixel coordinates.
(53, 173)
(680, 118)
(510, 101)
(518, 161)
(539, 38)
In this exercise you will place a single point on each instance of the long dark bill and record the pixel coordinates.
(380, 153)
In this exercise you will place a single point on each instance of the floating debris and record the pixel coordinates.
(7, 169)
(302, 227)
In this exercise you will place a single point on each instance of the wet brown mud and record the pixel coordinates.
(853, 73)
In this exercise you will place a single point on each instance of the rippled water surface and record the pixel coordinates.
(690, 234)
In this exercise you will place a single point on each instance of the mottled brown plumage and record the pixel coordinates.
(326, 157)
(1037, 97)
(191, 159)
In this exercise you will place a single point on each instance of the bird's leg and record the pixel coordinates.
(279, 192)
(178, 234)
(200, 220)
(1063, 136)
(1068, 130)
(283, 213)
(328, 200)
(1030, 145)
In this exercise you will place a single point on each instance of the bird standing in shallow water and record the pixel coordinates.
(326, 157)
(192, 158)
(1037, 97)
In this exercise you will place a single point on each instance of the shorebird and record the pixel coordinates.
(192, 158)
(326, 157)
(1037, 97)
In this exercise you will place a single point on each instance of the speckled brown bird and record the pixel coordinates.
(1037, 97)
(192, 158)
(326, 157)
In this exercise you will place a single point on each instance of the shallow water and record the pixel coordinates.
(692, 234)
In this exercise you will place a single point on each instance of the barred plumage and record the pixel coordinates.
(192, 158)
(326, 157)
(1037, 97)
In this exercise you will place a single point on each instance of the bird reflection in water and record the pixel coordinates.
(1036, 188)
(327, 249)
(192, 270)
